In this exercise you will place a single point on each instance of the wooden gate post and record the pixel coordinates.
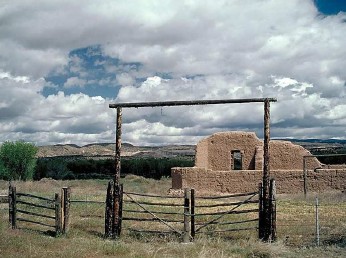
(115, 207)
(118, 203)
(186, 236)
(12, 203)
(57, 214)
(65, 207)
(272, 191)
(266, 172)
(109, 210)
(260, 211)
(192, 212)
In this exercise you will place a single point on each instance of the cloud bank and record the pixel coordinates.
(63, 62)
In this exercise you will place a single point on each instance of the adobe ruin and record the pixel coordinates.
(230, 162)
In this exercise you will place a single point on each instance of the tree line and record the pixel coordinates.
(64, 168)
(331, 159)
(18, 162)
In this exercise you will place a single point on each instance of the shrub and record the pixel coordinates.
(55, 168)
(18, 160)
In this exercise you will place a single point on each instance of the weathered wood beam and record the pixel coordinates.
(189, 102)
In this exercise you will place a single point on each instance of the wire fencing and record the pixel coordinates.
(316, 220)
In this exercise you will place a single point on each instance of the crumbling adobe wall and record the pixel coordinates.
(287, 181)
(201, 157)
(214, 152)
(217, 148)
(285, 155)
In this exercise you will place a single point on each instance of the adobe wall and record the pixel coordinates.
(217, 148)
(287, 181)
(201, 156)
(285, 155)
(214, 152)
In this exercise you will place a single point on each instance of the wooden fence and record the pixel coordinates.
(185, 216)
(189, 215)
(27, 209)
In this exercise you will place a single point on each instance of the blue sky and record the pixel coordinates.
(331, 7)
(63, 62)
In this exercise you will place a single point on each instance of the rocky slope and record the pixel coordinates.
(106, 150)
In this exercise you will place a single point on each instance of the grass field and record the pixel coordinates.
(296, 230)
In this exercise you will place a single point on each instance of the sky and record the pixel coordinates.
(63, 62)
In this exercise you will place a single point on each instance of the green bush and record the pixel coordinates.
(4, 174)
(55, 168)
(17, 160)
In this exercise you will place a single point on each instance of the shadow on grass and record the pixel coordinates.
(50, 233)
(157, 236)
(96, 233)
(339, 241)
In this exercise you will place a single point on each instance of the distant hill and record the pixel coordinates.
(107, 150)
(337, 141)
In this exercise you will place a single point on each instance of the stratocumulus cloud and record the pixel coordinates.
(63, 62)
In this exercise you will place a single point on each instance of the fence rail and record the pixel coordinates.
(225, 196)
(35, 197)
(87, 201)
(153, 203)
(225, 204)
(35, 204)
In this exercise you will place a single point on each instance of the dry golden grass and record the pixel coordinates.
(85, 238)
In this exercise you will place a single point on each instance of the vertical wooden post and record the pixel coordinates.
(62, 211)
(260, 211)
(120, 216)
(305, 177)
(117, 210)
(57, 214)
(109, 210)
(118, 146)
(273, 210)
(66, 196)
(266, 171)
(193, 227)
(116, 196)
(12, 203)
(186, 236)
